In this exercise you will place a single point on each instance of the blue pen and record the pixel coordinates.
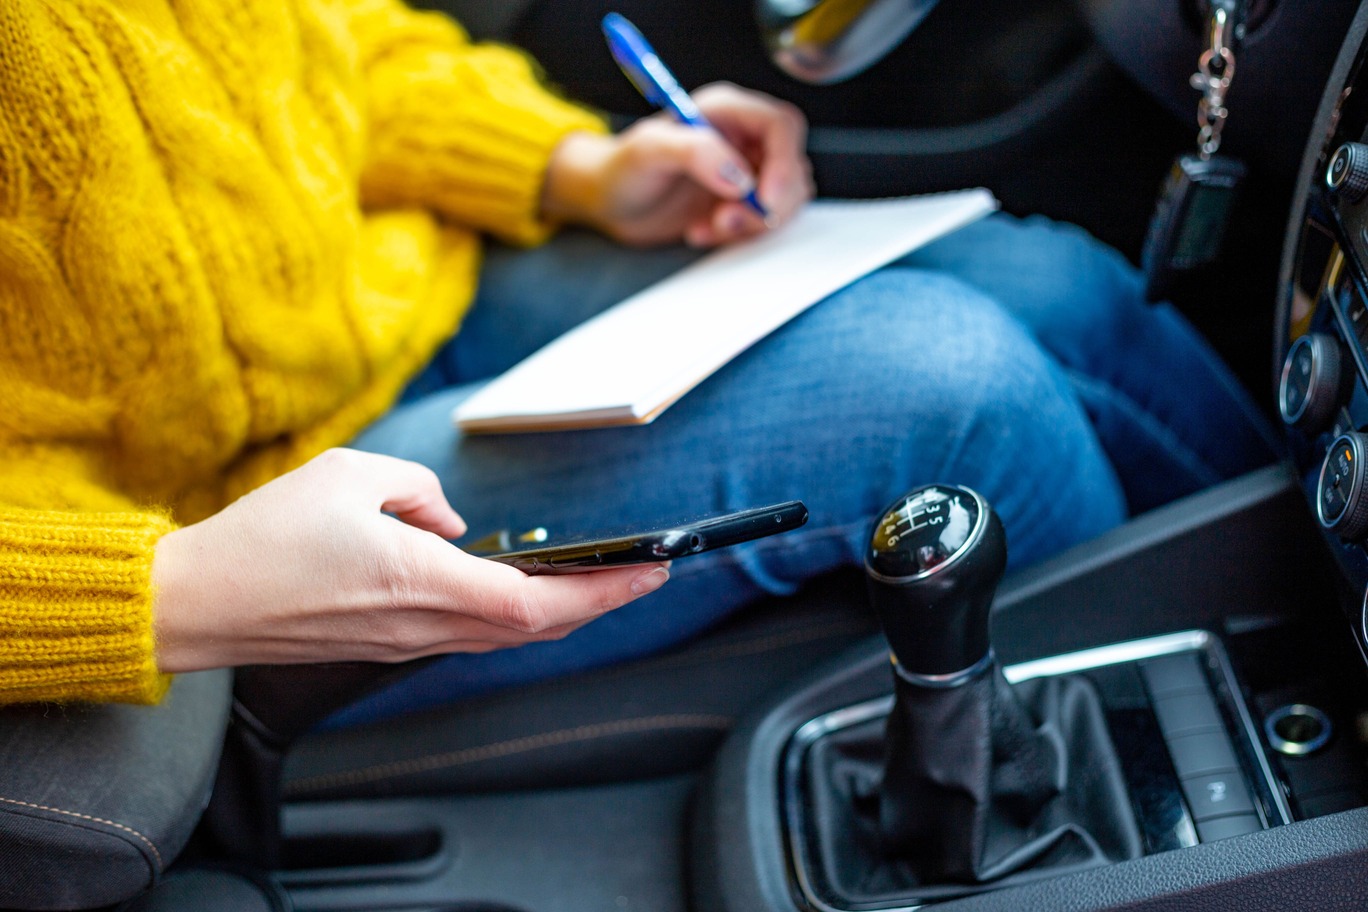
(641, 65)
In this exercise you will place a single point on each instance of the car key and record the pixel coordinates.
(1190, 219)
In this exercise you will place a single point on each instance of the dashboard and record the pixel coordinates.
(1322, 328)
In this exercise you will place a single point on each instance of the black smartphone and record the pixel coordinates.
(668, 542)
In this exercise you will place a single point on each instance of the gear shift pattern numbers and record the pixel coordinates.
(925, 531)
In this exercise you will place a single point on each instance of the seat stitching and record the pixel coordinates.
(748, 646)
(118, 826)
(758, 644)
(507, 748)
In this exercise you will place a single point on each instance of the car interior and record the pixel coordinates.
(1181, 721)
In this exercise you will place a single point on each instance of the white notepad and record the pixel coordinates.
(631, 362)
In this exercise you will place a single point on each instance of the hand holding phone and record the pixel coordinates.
(667, 542)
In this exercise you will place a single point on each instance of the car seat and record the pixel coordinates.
(99, 803)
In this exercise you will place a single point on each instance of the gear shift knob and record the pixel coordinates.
(976, 783)
(934, 561)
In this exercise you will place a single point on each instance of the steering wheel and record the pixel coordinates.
(826, 41)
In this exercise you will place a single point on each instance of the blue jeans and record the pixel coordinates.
(1015, 357)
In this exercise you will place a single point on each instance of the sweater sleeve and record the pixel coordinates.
(76, 606)
(461, 128)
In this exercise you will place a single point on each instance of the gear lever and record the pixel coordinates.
(967, 770)
(969, 783)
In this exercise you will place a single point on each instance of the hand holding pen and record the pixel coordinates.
(686, 176)
(649, 76)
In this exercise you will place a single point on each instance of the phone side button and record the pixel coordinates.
(527, 564)
(582, 560)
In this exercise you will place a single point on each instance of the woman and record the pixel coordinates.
(233, 235)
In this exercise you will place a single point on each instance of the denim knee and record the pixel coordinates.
(1076, 295)
(980, 403)
(930, 342)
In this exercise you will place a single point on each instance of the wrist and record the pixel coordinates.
(573, 190)
(173, 606)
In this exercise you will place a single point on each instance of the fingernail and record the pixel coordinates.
(736, 223)
(650, 581)
(734, 175)
(697, 237)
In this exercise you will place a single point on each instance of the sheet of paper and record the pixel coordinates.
(631, 362)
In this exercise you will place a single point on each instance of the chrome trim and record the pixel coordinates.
(1363, 626)
(1287, 374)
(946, 681)
(963, 549)
(838, 719)
(1112, 654)
(1342, 321)
(823, 42)
(794, 755)
(792, 765)
(1297, 748)
(1273, 789)
(1351, 441)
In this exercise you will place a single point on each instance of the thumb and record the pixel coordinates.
(409, 490)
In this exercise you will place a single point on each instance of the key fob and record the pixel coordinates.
(1190, 220)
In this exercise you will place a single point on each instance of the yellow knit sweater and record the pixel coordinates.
(230, 231)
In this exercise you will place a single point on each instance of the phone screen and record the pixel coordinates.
(668, 541)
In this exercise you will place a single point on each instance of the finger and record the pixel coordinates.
(725, 223)
(496, 638)
(703, 155)
(736, 221)
(500, 595)
(777, 131)
(419, 501)
(409, 490)
(575, 598)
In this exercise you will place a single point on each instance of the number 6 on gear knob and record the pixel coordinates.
(934, 560)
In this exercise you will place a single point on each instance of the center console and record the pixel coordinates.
(1228, 690)
(1188, 693)
(1175, 761)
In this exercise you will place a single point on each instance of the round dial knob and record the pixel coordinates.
(1312, 382)
(1347, 173)
(1340, 501)
(934, 561)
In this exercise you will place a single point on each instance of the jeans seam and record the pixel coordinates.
(1149, 425)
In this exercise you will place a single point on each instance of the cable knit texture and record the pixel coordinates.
(230, 232)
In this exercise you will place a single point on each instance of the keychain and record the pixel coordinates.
(1194, 207)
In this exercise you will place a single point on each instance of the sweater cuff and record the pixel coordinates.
(473, 144)
(76, 607)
